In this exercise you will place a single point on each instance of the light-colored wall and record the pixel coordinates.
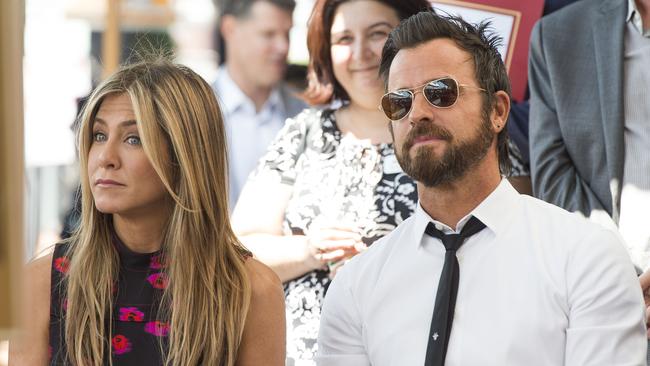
(11, 159)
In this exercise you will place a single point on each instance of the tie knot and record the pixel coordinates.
(453, 241)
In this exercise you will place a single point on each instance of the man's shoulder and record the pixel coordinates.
(556, 221)
(292, 102)
(545, 211)
(581, 14)
(568, 15)
(565, 240)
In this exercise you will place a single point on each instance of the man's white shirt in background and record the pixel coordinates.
(250, 132)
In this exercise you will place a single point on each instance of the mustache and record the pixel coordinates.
(427, 130)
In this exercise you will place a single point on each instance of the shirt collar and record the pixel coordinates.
(494, 211)
(233, 98)
(631, 10)
(634, 17)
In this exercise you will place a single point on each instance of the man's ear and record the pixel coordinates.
(500, 111)
(227, 27)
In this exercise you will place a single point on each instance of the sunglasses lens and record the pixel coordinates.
(442, 92)
(396, 105)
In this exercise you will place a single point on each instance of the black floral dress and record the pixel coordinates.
(333, 178)
(137, 333)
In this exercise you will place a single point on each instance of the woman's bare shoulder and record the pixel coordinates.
(262, 278)
(37, 274)
(263, 341)
(30, 347)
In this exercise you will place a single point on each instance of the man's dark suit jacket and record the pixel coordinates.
(576, 106)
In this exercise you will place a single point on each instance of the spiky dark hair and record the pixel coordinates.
(478, 40)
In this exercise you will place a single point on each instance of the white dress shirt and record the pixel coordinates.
(635, 192)
(249, 132)
(538, 286)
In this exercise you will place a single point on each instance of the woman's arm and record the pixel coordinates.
(257, 220)
(30, 346)
(264, 338)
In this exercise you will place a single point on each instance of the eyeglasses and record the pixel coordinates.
(440, 93)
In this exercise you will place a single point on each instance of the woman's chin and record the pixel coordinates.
(107, 208)
(107, 211)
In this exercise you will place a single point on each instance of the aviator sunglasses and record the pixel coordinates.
(440, 93)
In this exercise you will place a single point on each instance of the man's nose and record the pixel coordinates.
(421, 110)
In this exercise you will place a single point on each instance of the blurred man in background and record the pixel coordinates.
(254, 100)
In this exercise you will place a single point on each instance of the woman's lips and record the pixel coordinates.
(107, 183)
(365, 69)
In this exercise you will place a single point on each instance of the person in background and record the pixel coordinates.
(518, 119)
(589, 114)
(480, 274)
(249, 84)
(154, 273)
(330, 183)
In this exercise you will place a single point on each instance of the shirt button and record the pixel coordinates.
(439, 227)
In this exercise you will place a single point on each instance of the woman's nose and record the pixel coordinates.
(108, 155)
(360, 49)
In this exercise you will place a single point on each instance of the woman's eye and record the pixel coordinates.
(343, 40)
(133, 140)
(99, 137)
(378, 35)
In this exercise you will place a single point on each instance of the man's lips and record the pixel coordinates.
(424, 139)
(107, 183)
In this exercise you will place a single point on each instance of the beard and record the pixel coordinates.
(458, 158)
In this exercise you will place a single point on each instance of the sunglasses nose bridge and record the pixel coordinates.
(418, 111)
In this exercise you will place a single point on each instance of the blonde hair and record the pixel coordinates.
(206, 302)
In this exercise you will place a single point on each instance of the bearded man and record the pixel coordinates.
(479, 275)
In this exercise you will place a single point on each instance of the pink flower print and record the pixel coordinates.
(121, 344)
(62, 264)
(157, 328)
(158, 280)
(131, 314)
(158, 262)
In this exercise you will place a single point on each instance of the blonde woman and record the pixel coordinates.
(154, 274)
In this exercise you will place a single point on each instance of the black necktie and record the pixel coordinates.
(443, 313)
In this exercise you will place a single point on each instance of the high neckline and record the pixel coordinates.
(133, 259)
